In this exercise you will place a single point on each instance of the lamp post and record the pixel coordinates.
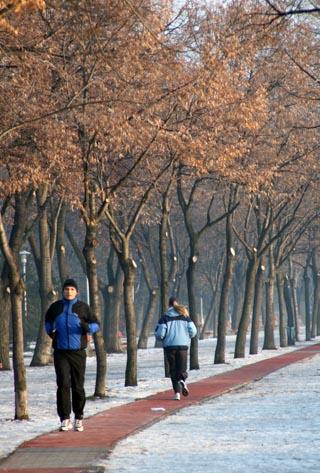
(87, 291)
(201, 309)
(23, 258)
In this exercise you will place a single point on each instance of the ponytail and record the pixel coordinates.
(181, 309)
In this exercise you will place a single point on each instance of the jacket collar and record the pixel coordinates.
(66, 302)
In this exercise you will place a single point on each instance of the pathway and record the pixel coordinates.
(74, 452)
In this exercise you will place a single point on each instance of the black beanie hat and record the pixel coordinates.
(70, 283)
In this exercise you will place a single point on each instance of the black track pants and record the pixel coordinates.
(177, 359)
(70, 366)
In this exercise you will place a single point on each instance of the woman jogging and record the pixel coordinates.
(175, 329)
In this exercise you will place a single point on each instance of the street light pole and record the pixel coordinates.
(87, 291)
(201, 310)
(23, 258)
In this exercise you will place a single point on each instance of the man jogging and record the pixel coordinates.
(68, 322)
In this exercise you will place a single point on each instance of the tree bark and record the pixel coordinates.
(112, 310)
(293, 284)
(43, 351)
(16, 295)
(269, 343)
(225, 291)
(5, 304)
(16, 240)
(90, 244)
(129, 270)
(20, 378)
(191, 285)
(283, 335)
(247, 307)
(307, 303)
(238, 295)
(63, 266)
(316, 293)
(257, 309)
(288, 301)
(163, 252)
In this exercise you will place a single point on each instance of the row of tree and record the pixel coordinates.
(161, 138)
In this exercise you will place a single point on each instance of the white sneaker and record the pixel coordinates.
(176, 397)
(66, 425)
(184, 388)
(78, 425)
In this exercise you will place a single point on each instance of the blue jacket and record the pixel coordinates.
(175, 330)
(68, 322)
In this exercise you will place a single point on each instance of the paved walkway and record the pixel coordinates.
(74, 452)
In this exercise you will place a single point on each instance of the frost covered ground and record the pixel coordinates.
(231, 422)
(270, 426)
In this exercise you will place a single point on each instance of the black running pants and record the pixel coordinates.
(70, 366)
(178, 360)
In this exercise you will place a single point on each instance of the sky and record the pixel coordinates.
(232, 421)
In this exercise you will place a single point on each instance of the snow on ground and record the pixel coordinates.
(271, 426)
(42, 387)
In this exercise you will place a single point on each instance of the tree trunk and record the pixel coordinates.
(16, 295)
(191, 280)
(296, 309)
(293, 284)
(43, 351)
(173, 272)
(163, 252)
(17, 236)
(220, 352)
(269, 343)
(95, 305)
(112, 311)
(257, 310)
(238, 296)
(247, 307)
(316, 293)
(318, 321)
(307, 303)
(288, 301)
(64, 270)
(129, 269)
(283, 335)
(5, 304)
(153, 291)
(20, 378)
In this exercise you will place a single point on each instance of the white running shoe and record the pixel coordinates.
(66, 425)
(184, 388)
(78, 425)
(176, 397)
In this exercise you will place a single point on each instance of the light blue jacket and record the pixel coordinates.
(175, 330)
